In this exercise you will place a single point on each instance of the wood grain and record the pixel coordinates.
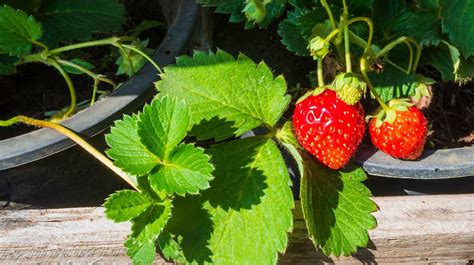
(411, 229)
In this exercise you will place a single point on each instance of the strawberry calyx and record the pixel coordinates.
(315, 92)
(318, 47)
(390, 113)
(349, 87)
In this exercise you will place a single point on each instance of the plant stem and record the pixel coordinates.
(337, 42)
(329, 12)
(370, 25)
(347, 49)
(418, 54)
(363, 70)
(70, 85)
(76, 138)
(320, 72)
(109, 41)
(148, 58)
(97, 78)
(42, 45)
(410, 61)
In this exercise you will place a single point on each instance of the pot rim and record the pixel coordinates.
(433, 164)
(38, 144)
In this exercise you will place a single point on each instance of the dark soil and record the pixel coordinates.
(451, 112)
(38, 90)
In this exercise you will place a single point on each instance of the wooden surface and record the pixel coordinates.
(411, 229)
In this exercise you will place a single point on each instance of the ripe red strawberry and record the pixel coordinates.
(329, 128)
(402, 134)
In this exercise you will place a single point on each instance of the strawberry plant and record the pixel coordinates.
(31, 31)
(205, 193)
(209, 203)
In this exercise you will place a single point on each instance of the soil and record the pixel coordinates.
(38, 90)
(451, 112)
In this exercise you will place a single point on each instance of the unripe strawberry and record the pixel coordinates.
(329, 128)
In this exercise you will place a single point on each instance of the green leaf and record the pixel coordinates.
(297, 29)
(182, 169)
(18, 31)
(126, 149)
(457, 17)
(141, 254)
(66, 21)
(232, 7)
(8, 64)
(237, 91)
(337, 208)
(423, 26)
(170, 248)
(145, 231)
(163, 125)
(392, 83)
(131, 62)
(79, 62)
(187, 171)
(448, 61)
(125, 205)
(245, 216)
(28, 6)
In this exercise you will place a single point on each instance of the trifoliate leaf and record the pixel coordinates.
(126, 149)
(457, 17)
(337, 207)
(145, 231)
(245, 216)
(186, 171)
(8, 64)
(393, 83)
(125, 205)
(163, 125)
(18, 31)
(181, 168)
(131, 62)
(66, 21)
(235, 90)
(170, 249)
(80, 62)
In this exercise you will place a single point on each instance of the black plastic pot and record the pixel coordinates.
(434, 164)
(41, 143)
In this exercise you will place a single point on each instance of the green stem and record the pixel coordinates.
(337, 42)
(135, 49)
(76, 138)
(347, 49)
(410, 61)
(329, 12)
(332, 34)
(320, 72)
(126, 55)
(418, 54)
(370, 25)
(110, 41)
(42, 45)
(398, 67)
(86, 71)
(363, 70)
(70, 85)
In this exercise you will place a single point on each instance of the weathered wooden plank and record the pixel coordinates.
(411, 229)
